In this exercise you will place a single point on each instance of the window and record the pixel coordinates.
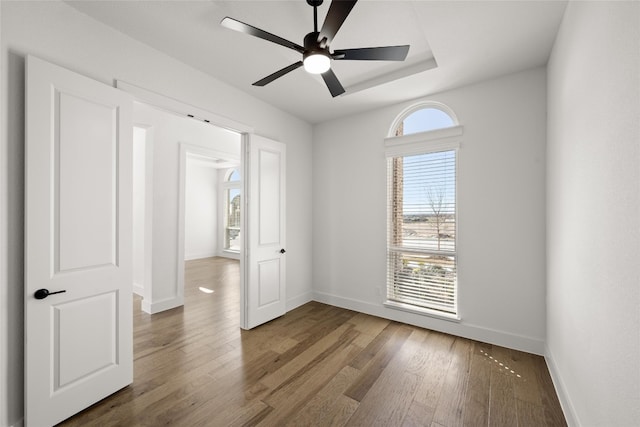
(423, 119)
(421, 220)
(232, 211)
(234, 176)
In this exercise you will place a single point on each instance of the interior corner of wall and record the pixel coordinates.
(565, 400)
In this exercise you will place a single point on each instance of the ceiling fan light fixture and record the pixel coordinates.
(316, 56)
(316, 62)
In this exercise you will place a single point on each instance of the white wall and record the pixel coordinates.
(139, 202)
(60, 34)
(201, 210)
(501, 235)
(593, 214)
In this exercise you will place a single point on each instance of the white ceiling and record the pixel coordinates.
(469, 41)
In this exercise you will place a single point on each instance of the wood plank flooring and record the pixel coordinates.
(316, 366)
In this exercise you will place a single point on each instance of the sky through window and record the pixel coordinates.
(426, 119)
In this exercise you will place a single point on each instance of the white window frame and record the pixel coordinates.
(226, 186)
(425, 105)
(445, 139)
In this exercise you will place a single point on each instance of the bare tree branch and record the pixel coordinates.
(437, 205)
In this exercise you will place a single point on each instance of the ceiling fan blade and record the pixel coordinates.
(338, 12)
(386, 53)
(332, 83)
(278, 74)
(234, 24)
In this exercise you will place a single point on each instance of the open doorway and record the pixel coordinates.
(212, 230)
(262, 253)
(180, 168)
(212, 204)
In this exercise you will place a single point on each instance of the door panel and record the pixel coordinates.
(82, 327)
(78, 237)
(269, 163)
(85, 170)
(266, 296)
(269, 282)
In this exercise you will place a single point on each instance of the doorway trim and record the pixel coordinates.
(185, 150)
(148, 219)
(180, 108)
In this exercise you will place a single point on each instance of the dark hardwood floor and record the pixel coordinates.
(316, 366)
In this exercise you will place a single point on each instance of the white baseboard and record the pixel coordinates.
(299, 300)
(138, 289)
(565, 401)
(162, 305)
(229, 254)
(478, 333)
(189, 257)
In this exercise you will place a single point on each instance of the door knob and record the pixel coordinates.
(282, 251)
(43, 293)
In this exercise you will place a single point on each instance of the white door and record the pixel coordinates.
(78, 237)
(265, 255)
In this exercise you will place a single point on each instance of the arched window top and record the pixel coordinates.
(233, 175)
(423, 117)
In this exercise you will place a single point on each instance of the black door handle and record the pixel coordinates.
(282, 251)
(43, 293)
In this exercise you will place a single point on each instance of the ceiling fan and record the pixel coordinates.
(316, 56)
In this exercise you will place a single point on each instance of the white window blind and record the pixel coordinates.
(421, 254)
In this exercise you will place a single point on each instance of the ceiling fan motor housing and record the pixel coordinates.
(312, 45)
(315, 58)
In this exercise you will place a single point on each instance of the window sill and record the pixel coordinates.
(422, 311)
